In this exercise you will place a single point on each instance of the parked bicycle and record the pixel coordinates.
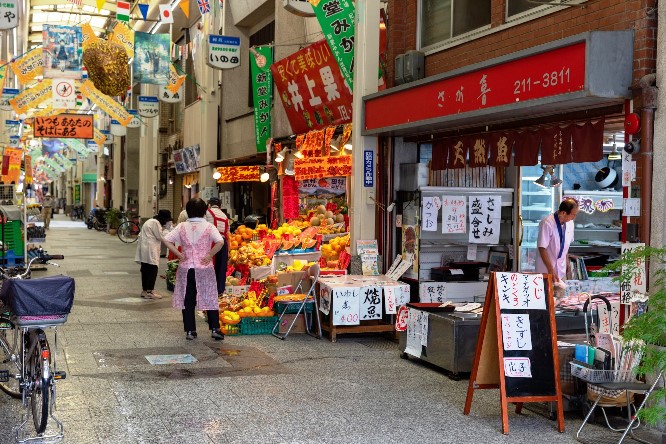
(129, 228)
(97, 219)
(28, 365)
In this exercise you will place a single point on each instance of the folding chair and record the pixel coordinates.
(312, 274)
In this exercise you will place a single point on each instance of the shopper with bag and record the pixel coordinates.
(216, 216)
(148, 251)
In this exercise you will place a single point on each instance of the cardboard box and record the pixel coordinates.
(299, 325)
(292, 278)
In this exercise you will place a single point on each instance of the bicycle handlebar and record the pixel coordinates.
(42, 258)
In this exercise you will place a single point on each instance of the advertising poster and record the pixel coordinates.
(151, 58)
(62, 51)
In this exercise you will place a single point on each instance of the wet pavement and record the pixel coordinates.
(247, 389)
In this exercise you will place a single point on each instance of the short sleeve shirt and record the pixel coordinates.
(549, 238)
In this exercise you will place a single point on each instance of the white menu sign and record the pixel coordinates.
(149, 106)
(517, 367)
(516, 333)
(429, 213)
(346, 306)
(484, 219)
(454, 214)
(371, 303)
(223, 52)
(9, 14)
(517, 291)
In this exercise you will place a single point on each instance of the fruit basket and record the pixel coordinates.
(258, 326)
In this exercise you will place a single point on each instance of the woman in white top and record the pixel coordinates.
(148, 251)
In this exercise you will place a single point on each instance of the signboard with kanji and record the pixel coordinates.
(223, 52)
(73, 126)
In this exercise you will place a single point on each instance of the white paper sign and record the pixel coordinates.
(454, 214)
(635, 287)
(136, 121)
(429, 212)
(484, 219)
(632, 207)
(471, 252)
(63, 94)
(517, 367)
(346, 306)
(519, 291)
(424, 318)
(371, 303)
(403, 296)
(626, 169)
(325, 300)
(432, 292)
(389, 296)
(9, 14)
(167, 96)
(149, 106)
(223, 52)
(403, 266)
(7, 95)
(609, 320)
(413, 345)
(516, 333)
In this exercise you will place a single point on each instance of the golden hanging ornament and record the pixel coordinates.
(108, 68)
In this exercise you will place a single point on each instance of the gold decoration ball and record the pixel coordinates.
(108, 68)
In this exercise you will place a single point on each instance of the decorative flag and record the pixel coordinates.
(100, 4)
(174, 80)
(185, 6)
(76, 2)
(204, 6)
(114, 109)
(123, 11)
(29, 66)
(165, 14)
(144, 10)
(79, 100)
(30, 98)
(88, 35)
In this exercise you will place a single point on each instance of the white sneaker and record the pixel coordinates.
(153, 295)
(144, 294)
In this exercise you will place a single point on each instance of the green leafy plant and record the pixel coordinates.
(647, 330)
(113, 218)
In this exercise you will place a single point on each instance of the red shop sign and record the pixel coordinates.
(541, 75)
(69, 126)
(312, 89)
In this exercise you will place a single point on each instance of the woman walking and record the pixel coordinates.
(148, 251)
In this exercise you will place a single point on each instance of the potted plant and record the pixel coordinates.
(113, 218)
(648, 329)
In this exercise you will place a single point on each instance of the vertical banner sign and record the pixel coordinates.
(77, 194)
(634, 288)
(429, 213)
(368, 168)
(484, 219)
(336, 18)
(223, 52)
(149, 106)
(262, 93)
(8, 14)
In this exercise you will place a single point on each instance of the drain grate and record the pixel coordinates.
(378, 343)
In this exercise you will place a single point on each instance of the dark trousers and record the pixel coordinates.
(189, 323)
(148, 276)
(220, 265)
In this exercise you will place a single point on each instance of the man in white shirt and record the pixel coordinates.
(216, 216)
(556, 232)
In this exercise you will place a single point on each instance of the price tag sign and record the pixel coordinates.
(346, 306)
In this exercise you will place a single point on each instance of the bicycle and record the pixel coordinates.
(28, 364)
(128, 230)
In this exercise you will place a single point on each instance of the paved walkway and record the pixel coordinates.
(248, 389)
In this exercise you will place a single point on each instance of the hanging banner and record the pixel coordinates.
(14, 170)
(7, 95)
(87, 35)
(9, 14)
(262, 84)
(149, 106)
(319, 167)
(336, 19)
(27, 160)
(168, 97)
(314, 95)
(32, 97)
(223, 52)
(334, 185)
(117, 129)
(99, 137)
(151, 58)
(106, 103)
(124, 36)
(238, 174)
(175, 81)
(64, 94)
(62, 52)
(29, 66)
(73, 126)
(136, 121)
(76, 145)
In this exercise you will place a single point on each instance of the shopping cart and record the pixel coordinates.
(615, 387)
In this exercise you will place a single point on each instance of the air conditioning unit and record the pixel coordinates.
(413, 66)
(398, 68)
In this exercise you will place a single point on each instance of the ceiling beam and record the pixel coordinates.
(107, 5)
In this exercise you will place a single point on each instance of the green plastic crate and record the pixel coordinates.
(257, 325)
(11, 235)
(292, 308)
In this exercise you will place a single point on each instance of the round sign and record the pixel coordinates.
(401, 319)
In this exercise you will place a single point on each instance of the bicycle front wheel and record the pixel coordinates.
(128, 232)
(9, 356)
(39, 375)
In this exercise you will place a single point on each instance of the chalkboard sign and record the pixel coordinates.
(517, 345)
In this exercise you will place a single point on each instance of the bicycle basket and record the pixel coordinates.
(53, 295)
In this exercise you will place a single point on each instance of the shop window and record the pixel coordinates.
(441, 20)
(425, 153)
(265, 36)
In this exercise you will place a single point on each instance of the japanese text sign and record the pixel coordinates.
(106, 103)
(320, 167)
(29, 66)
(312, 89)
(516, 333)
(432, 292)
(30, 98)
(635, 286)
(371, 303)
(454, 214)
(63, 94)
(238, 174)
(520, 291)
(484, 219)
(368, 168)
(73, 126)
(517, 367)
(333, 185)
(429, 212)
(149, 106)
(346, 306)
(609, 322)
(223, 52)
(262, 94)
(7, 95)
(8, 14)
(336, 18)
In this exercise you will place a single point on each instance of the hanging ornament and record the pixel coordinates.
(108, 67)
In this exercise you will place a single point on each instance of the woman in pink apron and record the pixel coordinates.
(196, 286)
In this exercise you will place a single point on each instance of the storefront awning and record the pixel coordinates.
(586, 71)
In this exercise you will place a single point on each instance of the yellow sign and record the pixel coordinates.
(30, 98)
(28, 168)
(320, 167)
(98, 137)
(108, 105)
(238, 174)
(14, 170)
(124, 36)
(29, 66)
(174, 80)
(88, 36)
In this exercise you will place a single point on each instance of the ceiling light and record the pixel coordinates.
(264, 176)
(281, 155)
(217, 175)
(348, 146)
(541, 181)
(289, 170)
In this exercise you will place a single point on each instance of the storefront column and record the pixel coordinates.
(366, 60)
(148, 147)
(117, 182)
(658, 219)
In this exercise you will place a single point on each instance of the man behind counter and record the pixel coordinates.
(556, 232)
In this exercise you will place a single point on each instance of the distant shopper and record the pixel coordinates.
(216, 216)
(47, 209)
(195, 278)
(148, 251)
(556, 232)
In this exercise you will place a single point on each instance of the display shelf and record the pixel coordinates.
(600, 230)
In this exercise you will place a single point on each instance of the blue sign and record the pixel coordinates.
(12, 122)
(368, 169)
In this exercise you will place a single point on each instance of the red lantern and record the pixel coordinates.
(632, 124)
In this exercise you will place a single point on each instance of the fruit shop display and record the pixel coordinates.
(253, 303)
